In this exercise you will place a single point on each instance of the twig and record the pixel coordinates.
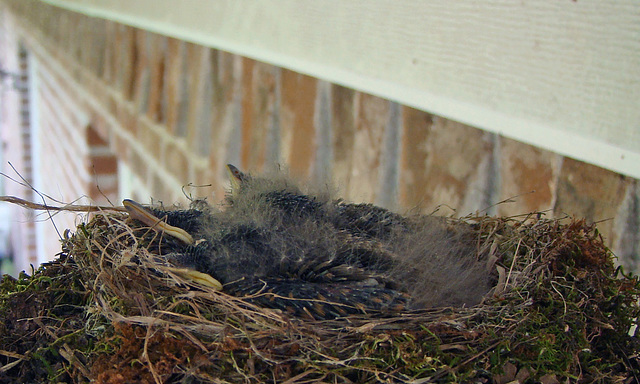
(71, 208)
(513, 262)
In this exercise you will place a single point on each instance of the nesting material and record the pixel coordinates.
(548, 306)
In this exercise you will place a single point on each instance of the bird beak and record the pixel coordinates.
(197, 277)
(138, 212)
(236, 177)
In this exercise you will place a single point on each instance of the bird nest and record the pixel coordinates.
(108, 310)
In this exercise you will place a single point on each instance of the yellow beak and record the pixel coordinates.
(138, 212)
(236, 177)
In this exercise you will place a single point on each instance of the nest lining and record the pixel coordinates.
(109, 310)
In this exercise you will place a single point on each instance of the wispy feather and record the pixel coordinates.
(310, 254)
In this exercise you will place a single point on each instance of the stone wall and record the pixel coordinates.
(174, 113)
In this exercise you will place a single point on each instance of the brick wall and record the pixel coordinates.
(16, 140)
(57, 155)
(174, 113)
(74, 162)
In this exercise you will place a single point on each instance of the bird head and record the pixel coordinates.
(237, 178)
(246, 187)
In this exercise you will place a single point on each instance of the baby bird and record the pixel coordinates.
(315, 257)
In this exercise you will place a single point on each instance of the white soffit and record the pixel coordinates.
(563, 75)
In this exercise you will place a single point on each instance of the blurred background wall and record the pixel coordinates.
(93, 111)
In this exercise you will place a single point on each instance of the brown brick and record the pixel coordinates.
(112, 104)
(258, 112)
(625, 242)
(223, 107)
(454, 154)
(172, 92)
(100, 92)
(590, 192)
(197, 76)
(176, 162)
(122, 148)
(202, 184)
(126, 118)
(102, 196)
(528, 178)
(413, 168)
(100, 127)
(138, 166)
(343, 106)
(247, 111)
(150, 139)
(118, 59)
(201, 176)
(127, 62)
(107, 74)
(94, 139)
(104, 165)
(297, 122)
(140, 91)
(371, 120)
(201, 137)
(223, 67)
(156, 80)
(157, 187)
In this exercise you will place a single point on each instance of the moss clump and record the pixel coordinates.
(107, 310)
(42, 326)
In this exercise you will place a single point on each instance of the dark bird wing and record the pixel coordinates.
(319, 300)
(367, 220)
